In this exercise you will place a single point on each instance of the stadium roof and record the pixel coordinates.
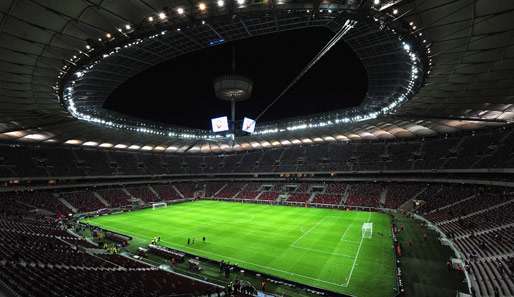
(464, 52)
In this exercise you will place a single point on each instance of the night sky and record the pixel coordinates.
(180, 91)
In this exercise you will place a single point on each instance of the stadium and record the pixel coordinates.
(349, 148)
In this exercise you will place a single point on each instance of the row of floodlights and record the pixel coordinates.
(202, 6)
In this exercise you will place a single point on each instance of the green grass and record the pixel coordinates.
(424, 263)
(322, 248)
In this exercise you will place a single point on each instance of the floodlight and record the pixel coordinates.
(150, 18)
(162, 15)
(180, 10)
(202, 6)
(220, 3)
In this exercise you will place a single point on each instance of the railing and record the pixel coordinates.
(455, 250)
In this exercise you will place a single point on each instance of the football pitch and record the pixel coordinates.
(323, 248)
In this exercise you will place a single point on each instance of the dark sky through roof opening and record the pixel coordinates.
(180, 91)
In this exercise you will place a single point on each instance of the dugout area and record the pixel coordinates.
(320, 248)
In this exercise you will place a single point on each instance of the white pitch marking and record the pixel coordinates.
(344, 234)
(307, 232)
(322, 252)
(356, 256)
(239, 260)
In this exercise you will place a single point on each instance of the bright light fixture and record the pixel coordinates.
(90, 143)
(108, 35)
(220, 3)
(150, 18)
(395, 11)
(180, 10)
(35, 136)
(202, 6)
(128, 27)
(162, 15)
(376, 2)
(240, 2)
(73, 141)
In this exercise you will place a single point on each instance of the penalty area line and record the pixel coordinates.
(307, 232)
(356, 256)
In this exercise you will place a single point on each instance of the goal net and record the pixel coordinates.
(159, 205)
(367, 230)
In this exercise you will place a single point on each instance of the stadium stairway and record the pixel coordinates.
(220, 189)
(241, 190)
(99, 197)
(452, 204)
(409, 204)
(178, 191)
(155, 192)
(313, 195)
(383, 197)
(477, 233)
(259, 195)
(453, 220)
(68, 205)
(127, 193)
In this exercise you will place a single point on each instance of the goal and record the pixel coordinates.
(159, 205)
(367, 230)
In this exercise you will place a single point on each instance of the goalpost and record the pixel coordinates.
(159, 205)
(367, 230)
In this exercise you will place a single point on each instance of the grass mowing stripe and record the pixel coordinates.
(181, 247)
(260, 238)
